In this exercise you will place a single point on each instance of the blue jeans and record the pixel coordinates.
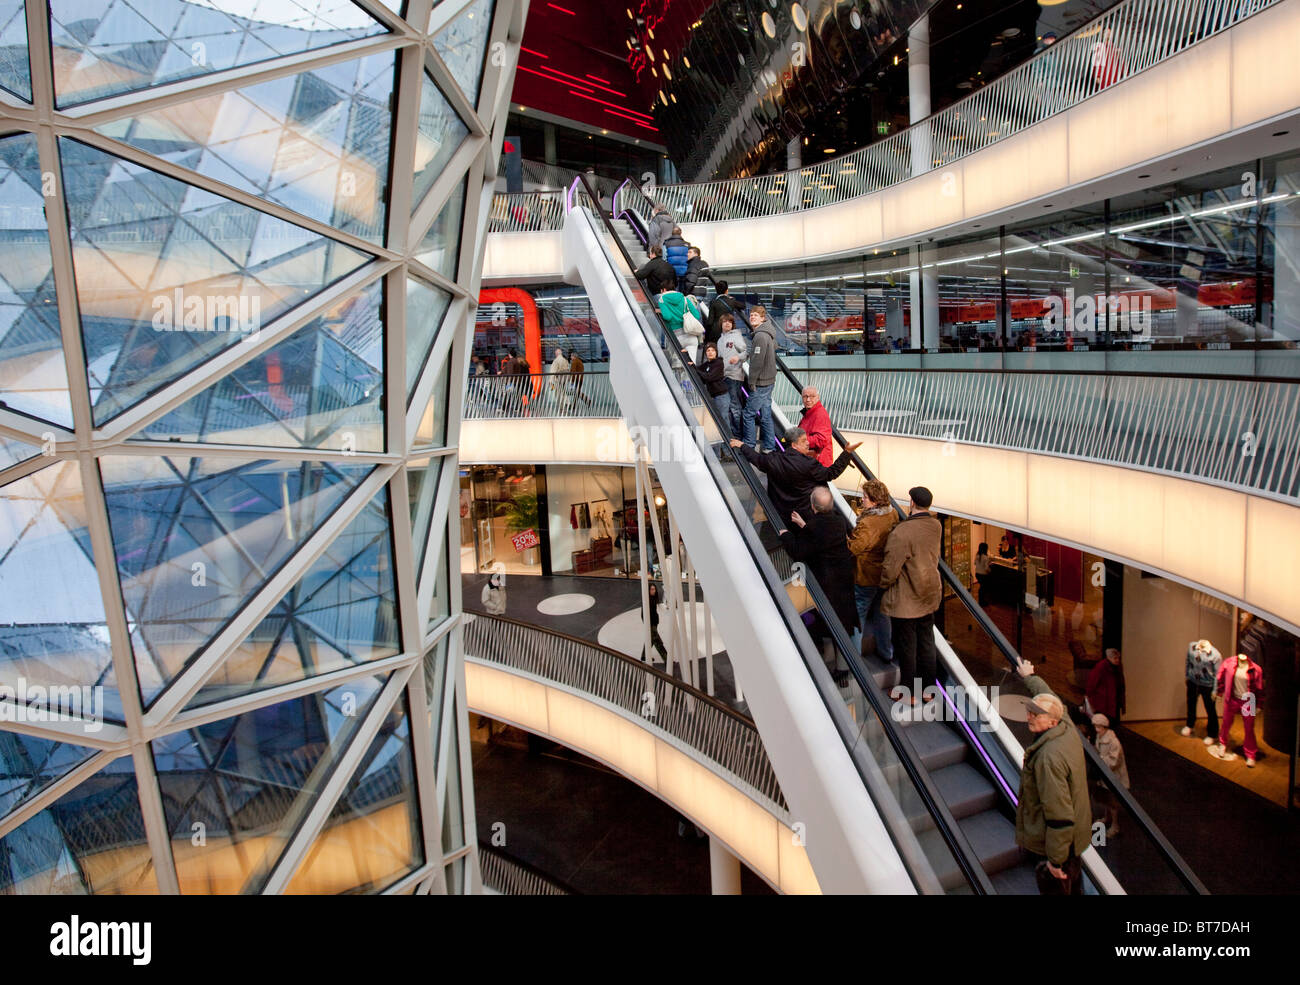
(758, 415)
(722, 403)
(735, 392)
(868, 598)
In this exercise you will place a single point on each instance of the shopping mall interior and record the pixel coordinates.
(500, 447)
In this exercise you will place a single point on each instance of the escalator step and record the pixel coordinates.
(885, 672)
(993, 838)
(964, 789)
(937, 744)
(1018, 880)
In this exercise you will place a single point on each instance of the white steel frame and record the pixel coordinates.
(475, 159)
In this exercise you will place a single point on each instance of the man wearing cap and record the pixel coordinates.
(1054, 816)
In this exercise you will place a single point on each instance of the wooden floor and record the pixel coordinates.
(1269, 778)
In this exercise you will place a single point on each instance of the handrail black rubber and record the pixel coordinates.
(954, 838)
(1003, 645)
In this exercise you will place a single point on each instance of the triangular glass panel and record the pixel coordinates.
(29, 764)
(13, 451)
(168, 274)
(422, 486)
(89, 841)
(426, 306)
(245, 783)
(33, 378)
(341, 613)
(462, 45)
(317, 142)
(50, 602)
(432, 430)
(107, 47)
(322, 387)
(15, 71)
(440, 606)
(439, 132)
(440, 248)
(195, 538)
(372, 837)
(435, 679)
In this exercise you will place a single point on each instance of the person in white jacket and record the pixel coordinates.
(494, 594)
(560, 370)
(1112, 754)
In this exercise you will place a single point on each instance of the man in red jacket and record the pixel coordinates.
(816, 420)
(1106, 688)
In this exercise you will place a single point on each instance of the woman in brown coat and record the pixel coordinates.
(876, 518)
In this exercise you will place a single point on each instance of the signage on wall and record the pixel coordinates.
(523, 541)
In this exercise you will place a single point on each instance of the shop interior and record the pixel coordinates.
(1075, 605)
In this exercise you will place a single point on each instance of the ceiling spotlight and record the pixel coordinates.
(855, 19)
(799, 15)
(769, 25)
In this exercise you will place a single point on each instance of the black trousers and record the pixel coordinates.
(914, 650)
(1206, 693)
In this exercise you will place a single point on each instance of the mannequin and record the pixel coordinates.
(1240, 680)
(1203, 662)
(494, 594)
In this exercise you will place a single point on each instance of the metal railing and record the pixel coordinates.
(1243, 434)
(509, 876)
(689, 719)
(540, 395)
(528, 212)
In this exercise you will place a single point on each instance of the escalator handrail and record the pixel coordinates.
(954, 838)
(1003, 645)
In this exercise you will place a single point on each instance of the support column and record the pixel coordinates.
(794, 180)
(724, 869)
(548, 137)
(918, 92)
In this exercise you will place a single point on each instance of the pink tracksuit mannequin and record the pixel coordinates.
(1246, 704)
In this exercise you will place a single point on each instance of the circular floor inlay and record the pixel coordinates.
(565, 605)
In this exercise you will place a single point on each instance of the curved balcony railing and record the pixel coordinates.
(688, 719)
(509, 876)
(541, 395)
(1122, 42)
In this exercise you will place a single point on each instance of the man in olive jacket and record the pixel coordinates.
(913, 591)
(1054, 816)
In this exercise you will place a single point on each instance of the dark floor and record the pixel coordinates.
(585, 825)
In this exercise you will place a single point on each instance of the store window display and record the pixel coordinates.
(1203, 660)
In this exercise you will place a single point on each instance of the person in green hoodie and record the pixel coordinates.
(1054, 815)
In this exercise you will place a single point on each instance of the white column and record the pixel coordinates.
(724, 869)
(918, 92)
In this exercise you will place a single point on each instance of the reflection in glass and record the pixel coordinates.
(33, 379)
(1055, 276)
(248, 782)
(194, 538)
(440, 248)
(453, 818)
(341, 613)
(106, 47)
(13, 451)
(440, 605)
(1280, 290)
(440, 131)
(462, 45)
(426, 306)
(169, 275)
(432, 432)
(29, 764)
(317, 142)
(15, 72)
(50, 602)
(435, 668)
(372, 837)
(91, 840)
(322, 387)
(422, 485)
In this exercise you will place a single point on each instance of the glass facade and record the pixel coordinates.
(221, 288)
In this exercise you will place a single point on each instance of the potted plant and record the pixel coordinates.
(521, 514)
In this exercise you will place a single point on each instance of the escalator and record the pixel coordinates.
(890, 805)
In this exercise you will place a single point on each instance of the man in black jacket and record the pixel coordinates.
(820, 539)
(657, 272)
(792, 474)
